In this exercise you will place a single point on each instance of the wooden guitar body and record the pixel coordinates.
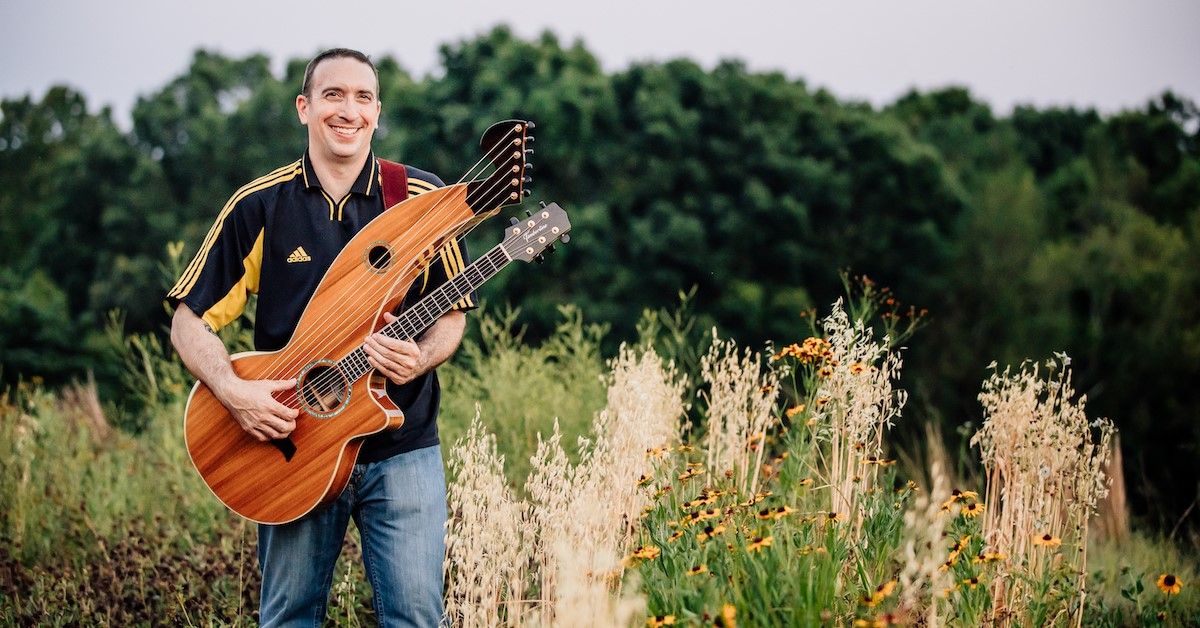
(280, 481)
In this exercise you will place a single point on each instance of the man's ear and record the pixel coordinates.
(302, 109)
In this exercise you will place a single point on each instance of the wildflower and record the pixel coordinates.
(685, 448)
(646, 552)
(657, 452)
(990, 557)
(697, 570)
(956, 495)
(794, 410)
(821, 401)
(775, 513)
(758, 543)
(792, 350)
(1169, 584)
(805, 482)
(834, 517)
(690, 473)
(675, 536)
(644, 480)
(709, 532)
(973, 509)
(972, 582)
(1047, 540)
(883, 462)
(825, 371)
(728, 618)
(660, 620)
(857, 368)
(662, 490)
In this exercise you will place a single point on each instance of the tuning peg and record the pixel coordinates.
(528, 167)
(549, 248)
(528, 213)
(527, 180)
(541, 259)
(513, 221)
(529, 139)
(542, 203)
(564, 238)
(530, 125)
(528, 151)
(525, 192)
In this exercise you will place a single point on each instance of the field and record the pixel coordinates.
(684, 480)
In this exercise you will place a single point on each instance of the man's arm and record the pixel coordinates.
(249, 401)
(404, 360)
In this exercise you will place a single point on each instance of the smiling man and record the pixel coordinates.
(276, 237)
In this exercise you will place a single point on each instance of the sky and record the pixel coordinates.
(1104, 54)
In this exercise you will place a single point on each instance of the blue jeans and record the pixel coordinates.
(399, 507)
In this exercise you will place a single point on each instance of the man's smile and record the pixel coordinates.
(347, 131)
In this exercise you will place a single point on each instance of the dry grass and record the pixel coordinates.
(1045, 465)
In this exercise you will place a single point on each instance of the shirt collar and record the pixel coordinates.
(365, 184)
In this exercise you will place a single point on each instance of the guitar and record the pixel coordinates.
(340, 398)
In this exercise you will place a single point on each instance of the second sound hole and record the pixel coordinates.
(379, 257)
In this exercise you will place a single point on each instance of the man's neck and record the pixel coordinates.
(337, 176)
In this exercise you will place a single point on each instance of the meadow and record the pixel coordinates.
(682, 480)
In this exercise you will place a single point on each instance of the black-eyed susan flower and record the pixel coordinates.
(675, 536)
(727, 618)
(646, 552)
(956, 495)
(794, 410)
(805, 482)
(1047, 540)
(972, 510)
(709, 532)
(690, 473)
(657, 452)
(971, 582)
(758, 543)
(644, 480)
(660, 620)
(697, 570)
(990, 557)
(662, 490)
(834, 517)
(1169, 584)
(884, 590)
(857, 368)
(825, 371)
(685, 448)
(821, 401)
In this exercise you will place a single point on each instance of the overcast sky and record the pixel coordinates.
(1107, 54)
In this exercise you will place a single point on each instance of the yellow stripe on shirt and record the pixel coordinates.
(231, 305)
(187, 280)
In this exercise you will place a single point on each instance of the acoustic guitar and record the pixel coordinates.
(340, 398)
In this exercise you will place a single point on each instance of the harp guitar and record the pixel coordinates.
(340, 398)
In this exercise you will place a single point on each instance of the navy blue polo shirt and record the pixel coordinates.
(276, 237)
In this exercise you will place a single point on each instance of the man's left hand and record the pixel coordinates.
(401, 361)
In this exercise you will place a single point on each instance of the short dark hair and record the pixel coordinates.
(334, 53)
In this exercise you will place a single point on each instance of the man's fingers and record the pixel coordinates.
(281, 384)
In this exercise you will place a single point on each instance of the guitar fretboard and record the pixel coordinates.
(420, 316)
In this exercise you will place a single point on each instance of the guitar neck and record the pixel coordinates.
(422, 315)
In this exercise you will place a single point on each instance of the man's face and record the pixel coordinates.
(341, 110)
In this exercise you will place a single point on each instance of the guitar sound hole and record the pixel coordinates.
(324, 390)
(379, 257)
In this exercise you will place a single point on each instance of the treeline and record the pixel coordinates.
(1046, 230)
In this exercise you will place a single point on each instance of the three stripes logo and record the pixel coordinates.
(299, 255)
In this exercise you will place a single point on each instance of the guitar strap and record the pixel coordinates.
(395, 182)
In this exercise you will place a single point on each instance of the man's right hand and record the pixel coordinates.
(254, 408)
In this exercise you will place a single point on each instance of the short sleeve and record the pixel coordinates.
(227, 266)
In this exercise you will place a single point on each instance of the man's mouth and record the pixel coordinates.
(345, 131)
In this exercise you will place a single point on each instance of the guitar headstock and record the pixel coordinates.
(526, 239)
(506, 146)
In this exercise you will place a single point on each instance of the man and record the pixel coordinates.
(276, 237)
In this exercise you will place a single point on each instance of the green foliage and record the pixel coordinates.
(1044, 230)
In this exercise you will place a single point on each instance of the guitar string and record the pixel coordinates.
(321, 325)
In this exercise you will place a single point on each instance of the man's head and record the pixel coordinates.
(339, 103)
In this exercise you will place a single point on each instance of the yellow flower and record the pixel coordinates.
(956, 495)
(661, 620)
(821, 401)
(759, 543)
(834, 517)
(825, 371)
(973, 509)
(884, 590)
(971, 582)
(1047, 540)
(685, 448)
(805, 482)
(991, 557)
(728, 618)
(1170, 584)
(709, 532)
(857, 368)
(883, 462)
(697, 570)
(675, 536)
(648, 552)
(691, 473)
(794, 410)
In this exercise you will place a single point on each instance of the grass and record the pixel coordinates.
(753, 519)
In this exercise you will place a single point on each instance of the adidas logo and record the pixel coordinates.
(299, 255)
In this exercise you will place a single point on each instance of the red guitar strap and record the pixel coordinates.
(395, 182)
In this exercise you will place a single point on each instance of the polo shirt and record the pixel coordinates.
(276, 237)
